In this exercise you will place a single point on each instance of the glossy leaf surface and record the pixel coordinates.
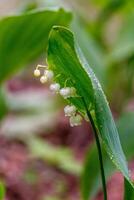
(72, 70)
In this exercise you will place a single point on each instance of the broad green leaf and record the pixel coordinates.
(90, 178)
(24, 37)
(129, 192)
(2, 191)
(71, 69)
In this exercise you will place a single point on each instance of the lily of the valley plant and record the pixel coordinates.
(70, 75)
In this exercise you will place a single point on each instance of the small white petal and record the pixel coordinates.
(49, 74)
(70, 110)
(43, 79)
(68, 92)
(75, 120)
(55, 87)
(36, 72)
(65, 92)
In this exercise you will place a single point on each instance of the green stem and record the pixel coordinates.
(99, 151)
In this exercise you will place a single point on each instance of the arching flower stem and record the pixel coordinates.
(99, 150)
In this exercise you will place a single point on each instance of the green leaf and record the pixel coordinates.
(129, 192)
(71, 69)
(2, 191)
(91, 49)
(24, 37)
(3, 104)
(90, 177)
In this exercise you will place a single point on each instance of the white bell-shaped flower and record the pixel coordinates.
(43, 79)
(65, 92)
(75, 120)
(55, 87)
(70, 110)
(68, 92)
(36, 72)
(49, 74)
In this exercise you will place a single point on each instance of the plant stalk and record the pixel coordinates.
(99, 151)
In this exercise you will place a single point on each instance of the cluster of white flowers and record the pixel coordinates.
(47, 76)
(66, 92)
(71, 111)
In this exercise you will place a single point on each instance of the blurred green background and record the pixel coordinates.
(41, 157)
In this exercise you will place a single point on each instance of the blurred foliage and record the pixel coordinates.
(124, 45)
(31, 110)
(27, 39)
(2, 191)
(57, 156)
(50, 198)
(3, 104)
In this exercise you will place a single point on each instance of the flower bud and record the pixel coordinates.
(36, 72)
